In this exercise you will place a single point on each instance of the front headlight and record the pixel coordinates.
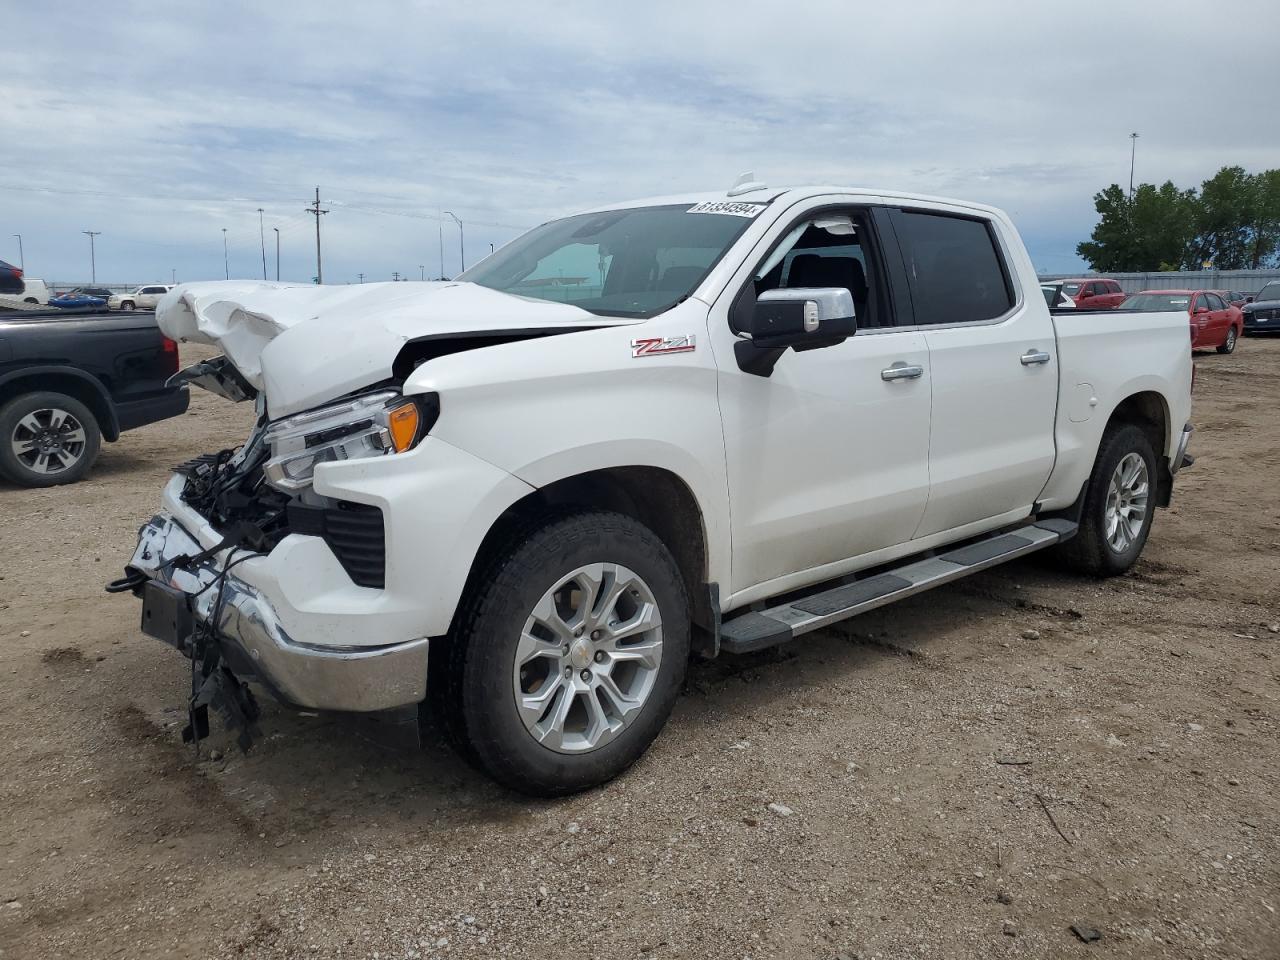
(371, 425)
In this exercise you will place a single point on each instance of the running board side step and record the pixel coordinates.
(757, 630)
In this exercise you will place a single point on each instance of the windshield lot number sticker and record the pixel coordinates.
(656, 346)
(730, 207)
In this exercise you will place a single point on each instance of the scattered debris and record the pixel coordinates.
(1232, 782)
(215, 755)
(1195, 727)
(1030, 634)
(1010, 929)
(1045, 807)
(1086, 934)
(1274, 627)
(1114, 741)
(62, 655)
(1244, 636)
(1004, 897)
(1007, 762)
(573, 828)
(781, 809)
(751, 821)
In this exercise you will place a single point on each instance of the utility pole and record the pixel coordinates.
(173, 275)
(277, 230)
(93, 260)
(491, 249)
(440, 230)
(315, 211)
(462, 247)
(1133, 153)
(22, 261)
(361, 276)
(422, 272)
(262, 239)
(395, 274)
(226, 264)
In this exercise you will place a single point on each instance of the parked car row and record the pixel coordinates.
(1262, 313)
(1214, 322)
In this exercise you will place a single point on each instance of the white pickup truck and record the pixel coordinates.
(698, 424)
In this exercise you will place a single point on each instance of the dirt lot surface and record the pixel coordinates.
(967, 774)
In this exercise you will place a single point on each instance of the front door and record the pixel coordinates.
(828, 456)
(993, 364)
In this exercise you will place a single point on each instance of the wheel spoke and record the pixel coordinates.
(65, 457)
(531, 647)
(534, 704)
(546, 614)
(644, 619)
(551, 730)
(646, 653)
(30, 423)
(42, 464)
(55, 419)
(619, 702)
(598, 726)
(74, 435)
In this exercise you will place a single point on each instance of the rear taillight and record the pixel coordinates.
(170, 349)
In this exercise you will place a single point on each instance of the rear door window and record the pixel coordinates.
(955, 267)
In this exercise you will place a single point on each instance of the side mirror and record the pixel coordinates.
(803, 318)
(793, 318)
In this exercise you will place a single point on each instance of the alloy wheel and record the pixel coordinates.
(48, 441)
(1126, 506)
(588, 658)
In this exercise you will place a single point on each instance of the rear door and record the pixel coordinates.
(1201, 320)
(993, 364)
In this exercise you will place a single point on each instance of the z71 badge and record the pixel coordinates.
(655, 346)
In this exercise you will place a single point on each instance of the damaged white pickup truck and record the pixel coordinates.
(700, 424)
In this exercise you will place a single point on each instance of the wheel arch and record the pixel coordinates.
(74, 383)
(654, 496)
(1149, 411)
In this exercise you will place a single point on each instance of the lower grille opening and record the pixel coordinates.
(353, 531)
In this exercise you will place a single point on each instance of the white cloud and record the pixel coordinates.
(172, 123)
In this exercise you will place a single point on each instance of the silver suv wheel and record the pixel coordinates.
(48, 441)
(587, 658)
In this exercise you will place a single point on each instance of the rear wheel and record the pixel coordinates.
(127, 305)
(1229, 344)
(568, 656)
(47, 438)
(1118, 507)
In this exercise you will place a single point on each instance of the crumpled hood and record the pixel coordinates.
(303, 344)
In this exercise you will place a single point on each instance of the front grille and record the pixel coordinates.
(355, 534)
(1272, 314)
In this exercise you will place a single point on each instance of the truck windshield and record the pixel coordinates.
(631, 263)
(1154, 302)
(1270, 292)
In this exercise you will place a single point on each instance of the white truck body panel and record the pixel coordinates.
(821, 469)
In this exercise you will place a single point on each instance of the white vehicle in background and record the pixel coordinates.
(758, 413)
(139, 298)
(35, 293)
(1054, 298)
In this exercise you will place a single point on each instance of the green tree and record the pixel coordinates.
(1233, 222)
(1154, 228)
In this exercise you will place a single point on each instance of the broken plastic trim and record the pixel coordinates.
(218, 376)
(421, 349)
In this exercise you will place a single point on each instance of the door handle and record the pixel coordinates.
(1034, 356)
(902, 371)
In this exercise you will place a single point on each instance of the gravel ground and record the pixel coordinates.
(966, 774)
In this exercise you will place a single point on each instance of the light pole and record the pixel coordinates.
(22, 262)
(93, 260)
(226, 264)
(491, 249)
(173, 276)
(277, 230)
(1133, 153)
(262, 239)
(440, 231)
(462, 247)
(422, 272)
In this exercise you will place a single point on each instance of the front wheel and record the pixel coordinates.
(567, 657)
(1119, 504)
(1229, 344)
(127, 305)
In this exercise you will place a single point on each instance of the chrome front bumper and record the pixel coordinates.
(257, 647)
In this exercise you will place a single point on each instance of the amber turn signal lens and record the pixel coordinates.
(402, 423)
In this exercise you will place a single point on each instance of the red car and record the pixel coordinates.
(1092, 293)
(1215, 323)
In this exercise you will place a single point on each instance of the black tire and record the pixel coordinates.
(1229, 344)
(473, 677)
(25, 470)
(127, 305)
(31, 300)
(1090, 552)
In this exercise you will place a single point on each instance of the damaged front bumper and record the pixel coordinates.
(181, 597)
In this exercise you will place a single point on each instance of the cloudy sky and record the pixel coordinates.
(162, 124)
